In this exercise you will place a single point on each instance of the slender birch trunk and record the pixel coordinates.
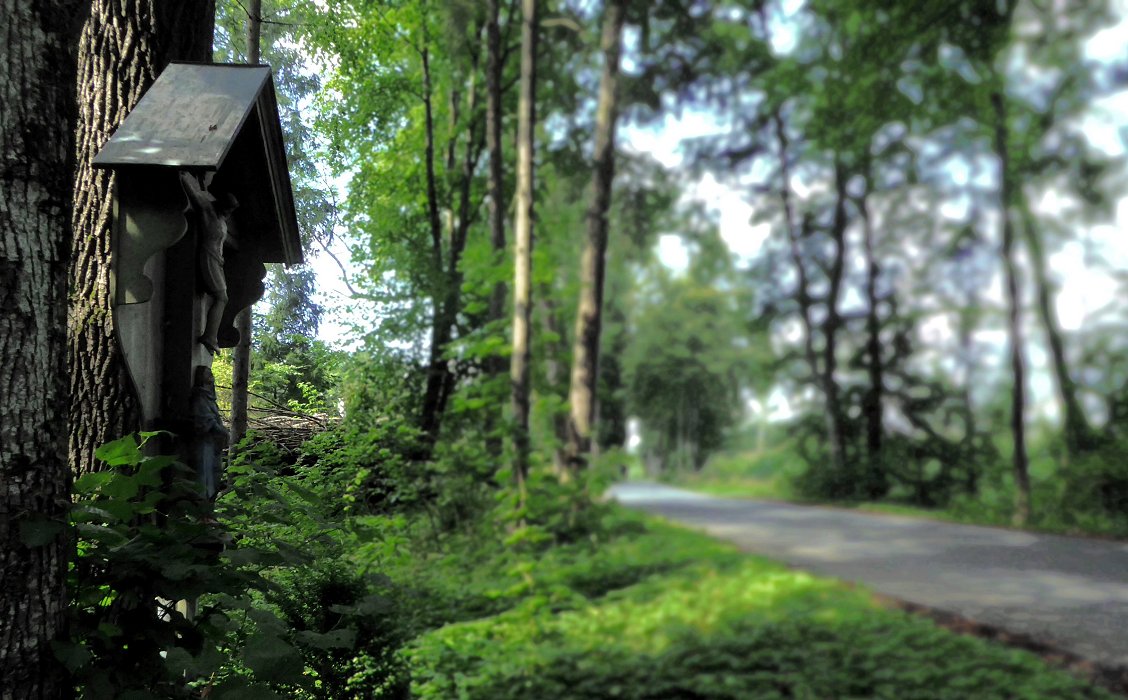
(523, 234)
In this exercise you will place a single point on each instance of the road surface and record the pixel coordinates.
(1069, 592)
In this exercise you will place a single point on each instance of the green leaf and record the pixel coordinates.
(121, 452)
(122, 486)
(100, 533)
(85, 512)
(239, 689)
(273, 658)
(39, 530)
(73, 656)
(88, 484)
(108, 630)
(150, 471)
(336, 639)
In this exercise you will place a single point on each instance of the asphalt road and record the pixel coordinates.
(1069, 592)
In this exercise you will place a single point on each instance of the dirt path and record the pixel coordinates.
(1070, 592)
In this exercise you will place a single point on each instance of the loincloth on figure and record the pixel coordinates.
(211, 273)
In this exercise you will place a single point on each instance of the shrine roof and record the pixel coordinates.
(196, 115)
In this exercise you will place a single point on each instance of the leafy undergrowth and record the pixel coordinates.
(303, 593)
(481, 574)
(659, 612)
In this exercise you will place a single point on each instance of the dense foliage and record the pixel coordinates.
(306, 591)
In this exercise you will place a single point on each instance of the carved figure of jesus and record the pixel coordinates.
(212, 215)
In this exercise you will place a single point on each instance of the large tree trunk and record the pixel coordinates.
(1078, 434)
(585, 349)
(37, 114)
(523, 234)
(244, 320)
(1014, 311)
(124, 45)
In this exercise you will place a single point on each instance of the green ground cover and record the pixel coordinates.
(654, 611)
(464, 595)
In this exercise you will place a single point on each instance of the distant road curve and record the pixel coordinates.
(1069, 592)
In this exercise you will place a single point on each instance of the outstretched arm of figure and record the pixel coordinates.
(192, 187)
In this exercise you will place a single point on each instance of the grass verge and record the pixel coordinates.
(654, 611)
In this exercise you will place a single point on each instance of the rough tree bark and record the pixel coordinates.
(523, 235)
(37, 114)
(124, 45)
(1014, 311)
(585, 349)
(241, 355)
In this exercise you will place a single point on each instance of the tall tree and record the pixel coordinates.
(124, 46)
(407, 121)
(523, 234)
(585, 349)
(688, 359)
(803, 295)
(1007, 192)
(1078, 434)
(283, 333)
(241, 356)
(495, 71)
(37, 114)
(873, 402)
(448, 300)
(1046, 148)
